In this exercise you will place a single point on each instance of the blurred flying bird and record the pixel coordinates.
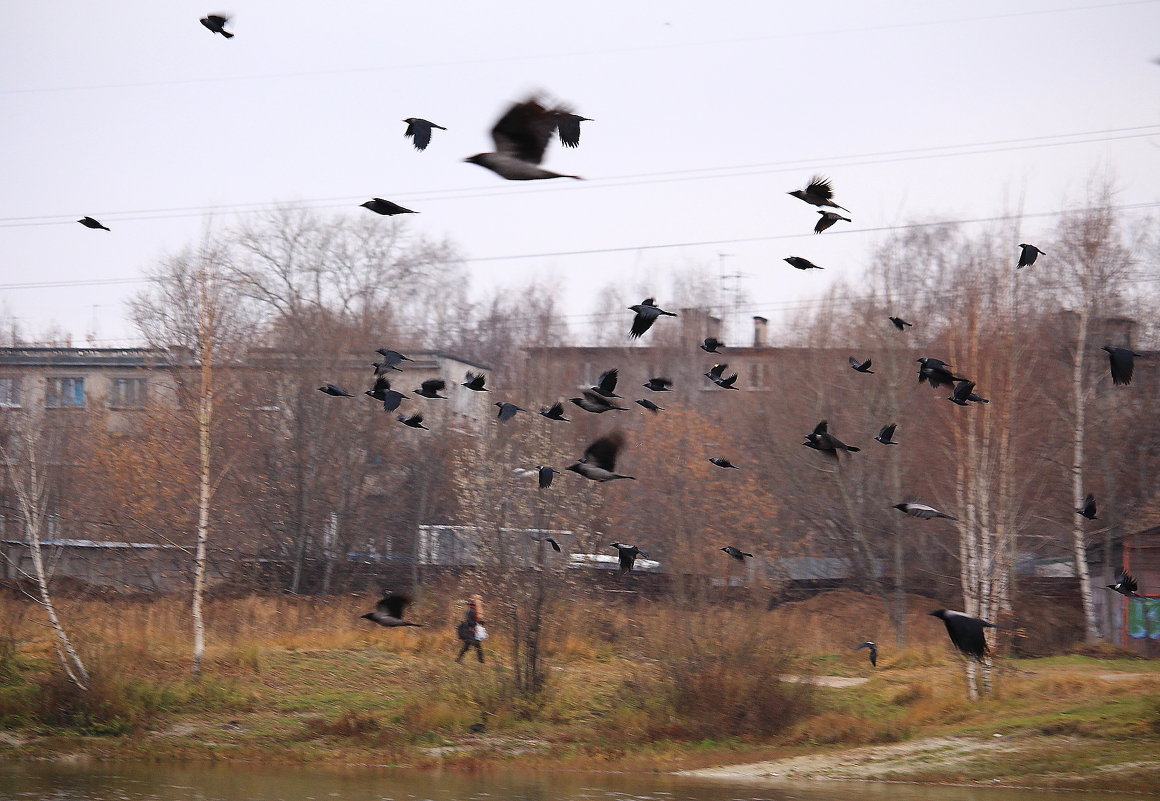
(599, 461)
(827, 219)
(380, 206)
(820, 439)
(627, 554)
(964, 392)
(873, 652)
(382, 391)
(414, 421)
(431, 388)
(861, 367)
(646, 314)
(89, 222)
(521, 136)
(597, 404)
(606, 386)
(475, 382)
(507, 410)
(216, 23)
(818, 192)
(652, 407)
(1028, 255)
(389, 611)
(720, 462)
(545, 475)
(712, 345)
(886, 435)
(555, 545)
(921, 511)
(659, 384)
(555, 412)
(1088, 509)
(900, 324)
(937, 372)
(391, 358)
(801, 263)
(1125, 585)
(715, 375)
(736, 553)
(419, 130)
(568, 126)
(966, 632)
(334, 390)
(1122, 364)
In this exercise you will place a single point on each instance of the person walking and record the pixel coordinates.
(471, 628)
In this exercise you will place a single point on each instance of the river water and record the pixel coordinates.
(50, 781)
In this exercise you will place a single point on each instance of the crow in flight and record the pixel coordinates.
(873, 652)
(555, 412)
(1125, 585)
(861, 367)
(389, 611)
(521, 136)
(647, 313)
(966, 632)
(652, 407)
(414, 421)
(818, 192)
(335, 391)
(380, 206)
(1122, 364)
(736, 553)
(659, 384)
(475, 382)
(431, 388)
(599, 461)
(921, 511)
(507, 410)
(712, 345)
(820, 439)
(568, 127)
(419, 130)
(545, 475)
(900, 324)
(627, 554)
(716, 376)
(886, 435)
(800, 263)
(827, 219)
(597, 404)
(382, 391)
(216, 23)
(89, 222)
(720, 462)
(1088, 509)
(1028, 255)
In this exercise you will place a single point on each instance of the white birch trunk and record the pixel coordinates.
(204, 491)
(1079, 545)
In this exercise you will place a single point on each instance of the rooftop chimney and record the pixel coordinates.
(760, 332)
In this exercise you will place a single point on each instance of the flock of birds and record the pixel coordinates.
(521, 137)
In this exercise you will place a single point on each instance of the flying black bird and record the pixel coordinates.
(380, 206)
(545, 474)
(886, 435)
(736, 553)
(802, 263)
(646, 314)
(568, 126)
(716, 373)
(475, 382)
(966, 632)
(964, 392)
(712, 345)
(555, 412)
(391, 359)
(597, 404)
(335, 391)
(900, 324)
(1028, 255)
(431, 388)
(389, 611)
(652, 407)
(861, 367)
(1122, 364)
(937, 372)
(382, 391)
(555, 545)
(1125, 585)
(419, 130)
(414, 421)
(599, 461)
(820, 439)
(921, 511)
(606, 386)
(873, 652)
(216, 23)
(89, 222)
(827, 219)
(818, 192)
(507, 410)
(627, 554)
(659, 384)
(521, 136)
(1088, 509)
(720, 462)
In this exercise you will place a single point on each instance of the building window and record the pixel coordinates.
(65, 393)
(128, 393)
(9, 392)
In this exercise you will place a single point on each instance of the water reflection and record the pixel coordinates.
(39, 781)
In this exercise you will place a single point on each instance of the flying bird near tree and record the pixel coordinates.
(652, 407)
(382, 391)
(431, 388)
(873, 652)
(521, 136)
(736, 553)
(568, 126)
(1088, 509)
(712, 345)
(606, 386)
(389, 611)
(820, 439)
(717, 376)
(419, 130)
(818, 192)
(722, 462)
(507, 410)
(647, 313)
(386, 207)
(599, 461)
(89, 222)
(861, 367)
(966, 632)
(555, 412)
(799, 263)
(921, 511)
(627, 555)
(1027, 255)
(545, 474)
(964, 392)
(597, 404)
(216, 23)
(555, 545)
(475, 382)
(659, 384)
(391, 360)
(936, 372)
(900, 324)
(1122, 363)
(414, 421)
(1125, 585)
(335, 391)
(886, 435)
(827, 219)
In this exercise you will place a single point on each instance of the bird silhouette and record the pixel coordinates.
(89, 222)
(475, 382)
(966, 632)
(419, 130)
(216, 23)
(712, 345)
(886, 435)
(1027, 255)
(382, 391)
(659, 384)
(568, 127)
(597, 404)
(873, 652)
(861, 367)
(1122, 363)
(1125, 585)
(414, 421)
(1088, 509)
(965, 392)
(507, 410)
(521, 136)
(827, 219)
(391, 360)
(599, 461)
(717, 375)
(721, 462)
(335, 391)
(921, 511)
(606, 386)
(647, 313)
(936, 372)
(386, 207)
(551, 541)
(800, 263)
(818, 192)
(545, 474)
(627, 555)
(390, 610)
(736, 553)
(900, 324)
(431, 388)
(652, 407)
(555, 412)
(820, 439)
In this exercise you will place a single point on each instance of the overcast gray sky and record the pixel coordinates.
(706, 114)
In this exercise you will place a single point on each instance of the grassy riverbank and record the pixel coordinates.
(642, 687)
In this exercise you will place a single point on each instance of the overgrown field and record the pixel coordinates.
(630, 683)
